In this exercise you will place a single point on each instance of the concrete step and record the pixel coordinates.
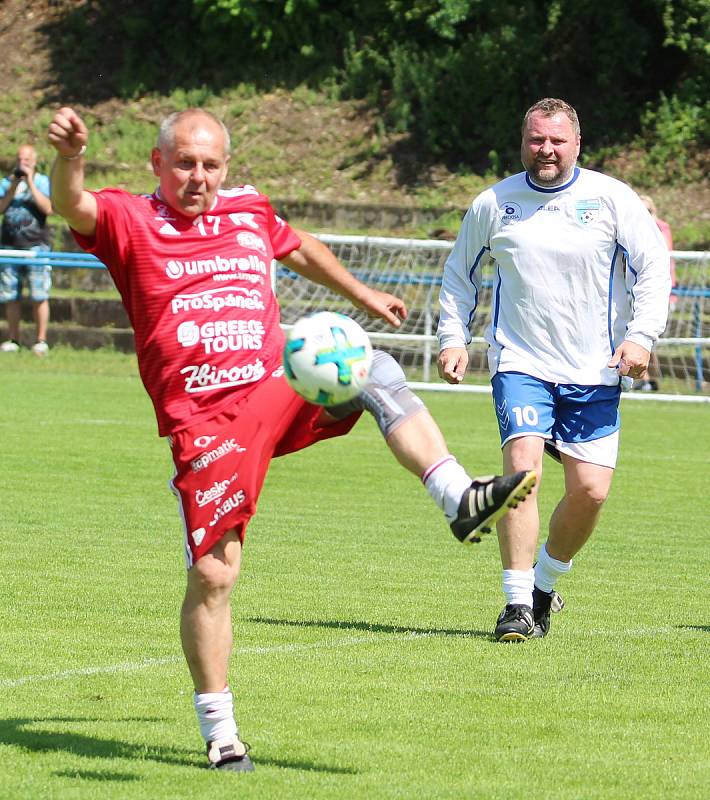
(81, 337)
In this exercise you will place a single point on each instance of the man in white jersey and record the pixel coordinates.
(190, 259)
(580, 295)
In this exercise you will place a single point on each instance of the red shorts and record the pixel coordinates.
(221, 463)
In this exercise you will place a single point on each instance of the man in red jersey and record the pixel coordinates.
(192, 264)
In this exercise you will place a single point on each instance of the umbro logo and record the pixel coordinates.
(169, 230)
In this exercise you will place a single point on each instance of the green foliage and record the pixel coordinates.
(454, 75)
(671, 131)
(457, 76)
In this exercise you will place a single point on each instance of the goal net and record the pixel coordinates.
(412, 268)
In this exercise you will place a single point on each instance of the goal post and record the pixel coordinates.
(412, 270)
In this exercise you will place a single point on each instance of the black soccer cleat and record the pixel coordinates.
(515, 623)
(543, 604)
(487, 500)
(229, 755)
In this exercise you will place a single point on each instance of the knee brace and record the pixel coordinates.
(386, 396)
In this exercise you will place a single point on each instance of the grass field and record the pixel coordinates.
(364, 664)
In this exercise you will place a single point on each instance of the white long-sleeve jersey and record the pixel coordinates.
(577, 269)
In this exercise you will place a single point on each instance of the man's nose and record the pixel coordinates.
(198, 173)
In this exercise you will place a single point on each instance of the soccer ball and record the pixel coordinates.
(327, 358)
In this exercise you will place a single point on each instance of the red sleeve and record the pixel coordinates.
(283, 237)
(112, 237)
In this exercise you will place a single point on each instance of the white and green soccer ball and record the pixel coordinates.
(327, 358)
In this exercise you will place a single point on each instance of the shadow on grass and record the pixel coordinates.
(23, 733)
(705, 628)
(88, 775)
(369, 627)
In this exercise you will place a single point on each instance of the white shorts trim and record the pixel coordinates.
(603, 452)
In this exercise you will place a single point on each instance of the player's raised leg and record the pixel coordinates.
(471, 506)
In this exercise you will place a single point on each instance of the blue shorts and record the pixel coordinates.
(38, 279)
(527, 406)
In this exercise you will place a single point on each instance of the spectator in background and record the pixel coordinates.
(649, 381)
(25, 204)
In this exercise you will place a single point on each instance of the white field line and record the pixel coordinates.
(111, 669)
(351, 641)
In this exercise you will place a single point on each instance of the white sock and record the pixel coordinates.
(518, 586)
(548, 570)
(215, 713)
(446, 481)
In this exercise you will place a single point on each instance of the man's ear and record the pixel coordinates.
(225, 171)
(156, 161)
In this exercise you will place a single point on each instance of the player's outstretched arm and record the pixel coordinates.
(68, 135)
(316, 262)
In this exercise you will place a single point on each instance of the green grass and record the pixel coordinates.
(363, 666)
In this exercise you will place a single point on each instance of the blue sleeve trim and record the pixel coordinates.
(471, 273)
(497, 302)
(612, 270)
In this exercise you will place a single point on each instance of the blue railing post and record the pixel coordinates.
(698, 325)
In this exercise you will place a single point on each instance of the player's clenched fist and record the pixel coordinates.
(67, 133)
(452, 363)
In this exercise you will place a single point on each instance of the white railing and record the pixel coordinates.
(412, 268)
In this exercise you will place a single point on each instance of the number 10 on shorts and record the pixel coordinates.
(525, 415)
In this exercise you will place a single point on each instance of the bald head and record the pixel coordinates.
(191, 119)
(27, 156)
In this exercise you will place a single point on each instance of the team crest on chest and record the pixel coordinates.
(587, 211)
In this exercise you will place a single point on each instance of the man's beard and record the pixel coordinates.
(556, 173)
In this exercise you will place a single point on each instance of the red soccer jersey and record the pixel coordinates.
(198, 293)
